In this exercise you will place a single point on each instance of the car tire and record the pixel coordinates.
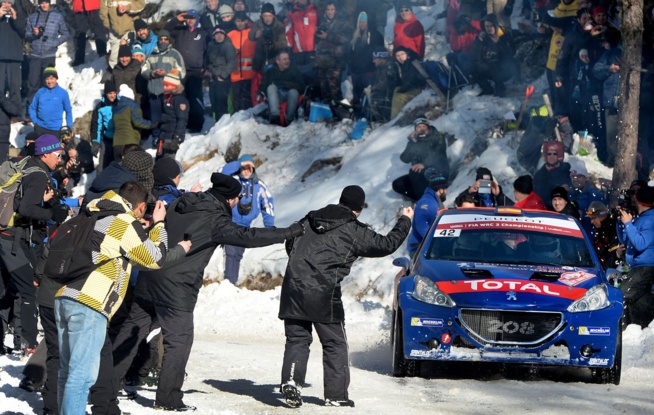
(611, 374)
(402, 367)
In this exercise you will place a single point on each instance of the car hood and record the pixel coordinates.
(510, 286)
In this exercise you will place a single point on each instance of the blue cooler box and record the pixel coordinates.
(320, 112)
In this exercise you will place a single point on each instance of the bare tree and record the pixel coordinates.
(630, 69)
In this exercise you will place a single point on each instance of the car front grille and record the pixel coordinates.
(498, 327)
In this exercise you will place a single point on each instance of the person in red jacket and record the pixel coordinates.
(462, 37)
(301, 25)
(242, 76)
(86, 14)
(526, 198)
(408, 31)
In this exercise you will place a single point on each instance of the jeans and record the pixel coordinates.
(233, 257)
(276, 95)
(81, 331)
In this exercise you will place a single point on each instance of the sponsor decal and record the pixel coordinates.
(594, 331)
(426, 322)
(575, 278)
(595, 361)
(547, 225)
(420, 353)
(511, 295)
(517, 286)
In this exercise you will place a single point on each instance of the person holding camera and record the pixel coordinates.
(269, 34)
(255, 199)
(45, 30)
(637, 233)
(485, 191)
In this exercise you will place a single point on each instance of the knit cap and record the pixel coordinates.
(435, 179)
(225, 10)
(227, 186)
(267, 8)
(524, 184)
(560, 192)
(50, 71)
(597, 209)
(140, 164)
(172, 79)
(483, 174)
(353, 197)
(124, 51)
(46, 144)
(165, 170)
(644, 196)
(140, 24)
(110, 86)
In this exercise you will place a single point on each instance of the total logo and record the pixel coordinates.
(511, 287)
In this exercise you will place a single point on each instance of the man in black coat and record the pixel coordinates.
(170, 294)
(8, 109)
(311, 292)
(12, 32)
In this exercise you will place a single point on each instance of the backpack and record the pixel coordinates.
(69, 248)
(11, 176)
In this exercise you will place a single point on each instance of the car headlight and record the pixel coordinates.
(427, 291)
(595, 298)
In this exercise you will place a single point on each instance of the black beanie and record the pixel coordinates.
(559, 192)
(227, 186)
(110, 86)
(524, 184)
(140, 24)
(645, 196)
(267, 8)
(165, 170)
(483, 171)
(353, 197)
(124, 51)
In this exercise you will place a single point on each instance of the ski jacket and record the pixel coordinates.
(301, 25)
(206, 216)
(585, 197)
(80, 6)
(331, 50)
(462, 42)
(291, 78)
(118, 236)
(12, 33)
(119, 24)
(221, 59)
(426, 210)
(48, 106)
(128, 120)
(127, 75)
(546, 180)
(406, 76)
(210, 20)
(255, 198)
(532, 201)
(272, 40)
(610, 81)
(55, 33)
(244, 54)
(175, 115)
(148, 45)
(102, 124)
(638, 236)
(166, 59)
(430, 151)
(112, 177)
(191, 44)
(166, 193)
(409, 34)
(320, 259)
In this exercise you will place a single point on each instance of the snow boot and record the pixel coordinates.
(291, 395)
(348, 402)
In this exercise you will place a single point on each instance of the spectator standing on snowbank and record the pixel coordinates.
(220, 62)
(269, 34)
(311, 292)
(365, 40)
(128, 120)
(102, 125)
(333, 36)
(408, 31)
(49, 105)
(86, 14)
(175, 116)
(118, 18)
(12, 31)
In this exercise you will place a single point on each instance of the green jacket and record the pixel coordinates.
(128, 119)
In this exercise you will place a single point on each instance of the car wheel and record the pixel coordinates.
(402, 367)
(612, 374)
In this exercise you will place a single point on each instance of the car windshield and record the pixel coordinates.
(510, 247)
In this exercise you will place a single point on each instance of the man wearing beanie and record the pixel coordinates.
(555, 172)
(525, 197)
(494, 198)
(637, 234)
(145, 37)
(269, 34)
(170, 294)
(427, 208)
(102, 125)
(167, 175)
(311, 292)
(49, 105)
(220, 62)
(22, 242)
(560, 203)
(118, 18)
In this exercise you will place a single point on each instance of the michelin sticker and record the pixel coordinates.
(426, 322)
(598, 362)
(594, 331)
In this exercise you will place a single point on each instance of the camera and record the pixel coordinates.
(268, 37)
(484, 187)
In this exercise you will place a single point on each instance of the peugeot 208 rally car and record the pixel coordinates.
(506, 285)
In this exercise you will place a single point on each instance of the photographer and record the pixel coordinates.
(606, 239)
(485, 191)
(46, 30)
(332, 39)
(638, 235)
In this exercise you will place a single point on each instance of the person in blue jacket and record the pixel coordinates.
(638, 236)
(427, 208)
(102, 125)
(583, 194)
(255, 199)
(167, 175)
(49, 105)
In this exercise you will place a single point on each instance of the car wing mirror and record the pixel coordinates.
(402, 262)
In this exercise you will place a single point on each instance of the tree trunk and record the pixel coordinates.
(632, 37)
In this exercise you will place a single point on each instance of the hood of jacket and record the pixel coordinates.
(330, 217)
(110, 203)
(112, 177)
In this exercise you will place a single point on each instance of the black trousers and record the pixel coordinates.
(83, 22)
(638, 298)
(241, 95)
(219, 95)
(411, 185)
(177, 329)
(11, 78)
(193, 90)
(35, 78)
(5, 132)
(335, 361)
(49, 392)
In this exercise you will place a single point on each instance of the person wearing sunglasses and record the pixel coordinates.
(408, 31)
(554, 173)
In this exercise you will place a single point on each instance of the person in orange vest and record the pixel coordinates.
(242, 76)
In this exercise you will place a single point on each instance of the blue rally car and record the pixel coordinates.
(507, 285)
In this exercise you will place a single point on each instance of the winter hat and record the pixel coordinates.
(524, 184)
(65, 130)
(164, 33)
(267, 8)
(227, 186)
(579, 170)
(559, 192)
(483, 174)
(246, 159)
(165, 170)
(363, 17)
(124, 51)
(140, 24)
(46, 144)
(242, 16)
(380, 52)
(140, 164)
(597, 210)
(137, 50)
(219, 30)
(599, 9)
(405, 4)
(644, 196)
(225, 10)
(125, 92)
(110, 86)
(353, 197)
(435, 179)
(50, 71)
(172, 79)
(400, 49)
(420, 120)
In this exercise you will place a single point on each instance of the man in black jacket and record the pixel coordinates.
(170, 294)
(282, 83)
(12, 31)
(311, 292)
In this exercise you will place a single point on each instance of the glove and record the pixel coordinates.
(59, 213)
(296, 229)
